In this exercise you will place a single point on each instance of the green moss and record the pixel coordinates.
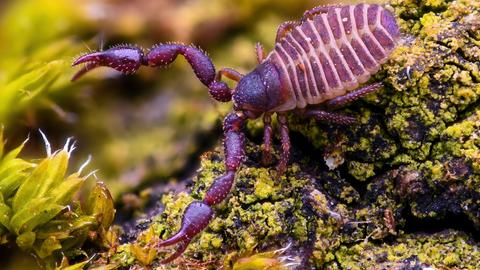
(35, 66)
(39, 210)
(124, 255)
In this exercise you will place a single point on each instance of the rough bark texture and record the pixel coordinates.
(401, 189)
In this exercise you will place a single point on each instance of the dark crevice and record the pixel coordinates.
(309, 245)
(460, 223)
(462, 68)
(467, 112)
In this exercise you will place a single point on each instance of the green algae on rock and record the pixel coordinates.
(443, 250)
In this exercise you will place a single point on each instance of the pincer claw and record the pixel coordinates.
(197, 216)
(126, 59)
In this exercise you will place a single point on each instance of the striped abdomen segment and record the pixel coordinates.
(334, 52)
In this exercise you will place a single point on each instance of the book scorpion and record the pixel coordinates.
(319, 60)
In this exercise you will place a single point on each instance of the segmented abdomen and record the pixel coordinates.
(333, 52)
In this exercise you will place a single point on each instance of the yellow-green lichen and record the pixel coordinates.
(361, 171)
(448, 248)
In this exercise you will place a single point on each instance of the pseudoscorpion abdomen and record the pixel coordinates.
(333, 52)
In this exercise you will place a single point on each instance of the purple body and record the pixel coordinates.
(330, 54)
(318, 60)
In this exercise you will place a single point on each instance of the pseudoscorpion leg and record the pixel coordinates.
(285, 139)
(309, 14)
(283, 30)
(267, 139)
(229, 73)
(328, 117)
(260, 52)
(352, 96)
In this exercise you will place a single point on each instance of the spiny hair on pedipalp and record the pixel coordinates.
(192, 45)
(125, 45)
(166, 43)
(78, 55)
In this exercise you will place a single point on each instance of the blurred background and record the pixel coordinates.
(140, 130)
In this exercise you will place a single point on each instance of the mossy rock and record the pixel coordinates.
(412, 159)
